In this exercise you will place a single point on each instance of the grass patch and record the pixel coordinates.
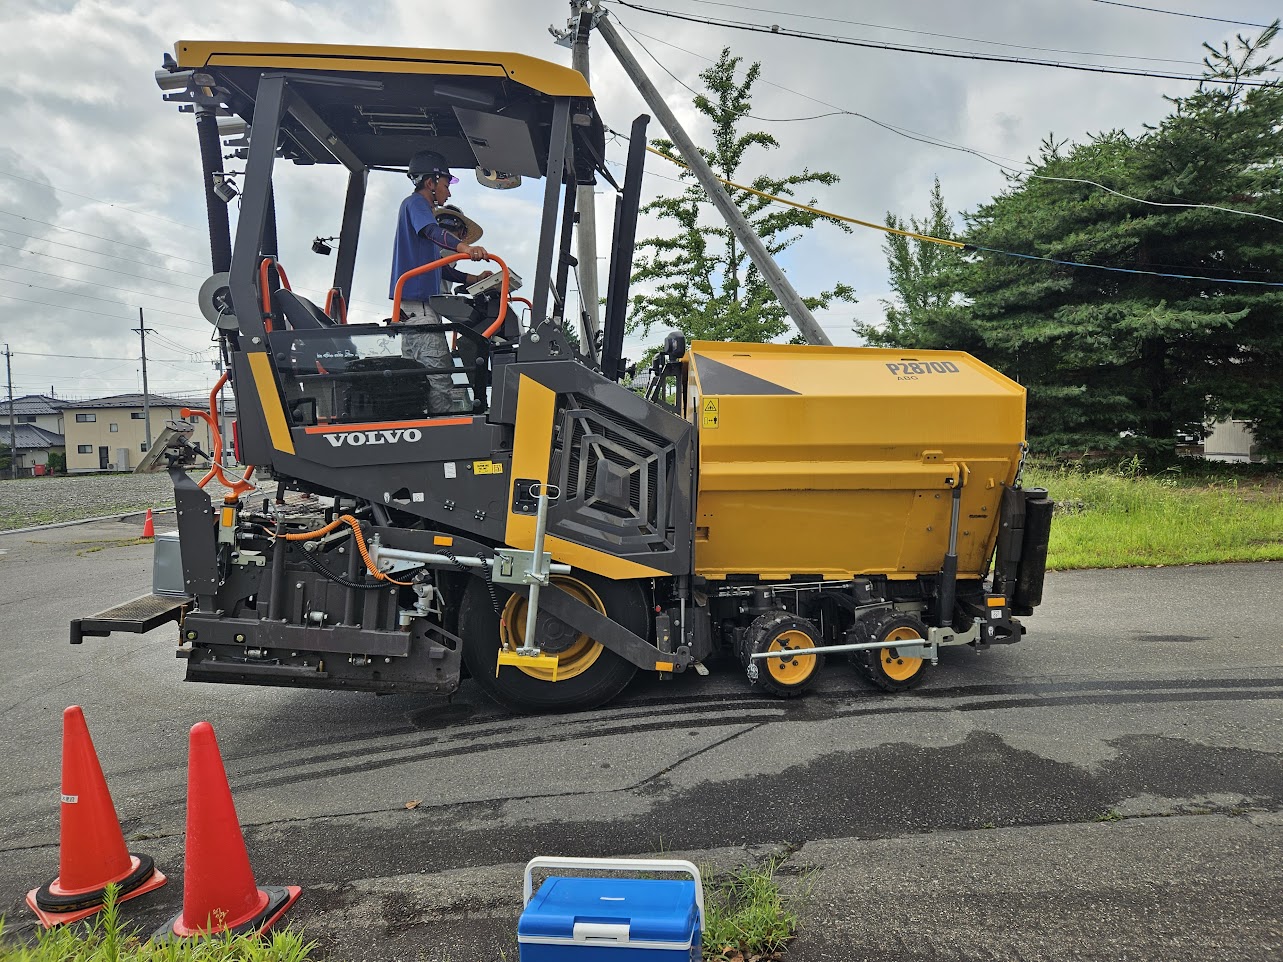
(747, 917)
(104, 939)
(1118, 517)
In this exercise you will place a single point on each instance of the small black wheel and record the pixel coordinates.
(588, 674)
(786, 676)
(886, 667)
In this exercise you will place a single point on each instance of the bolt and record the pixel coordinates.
(190, 635)
(240, 638)
(298, 585)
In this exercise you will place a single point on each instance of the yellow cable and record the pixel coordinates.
(816, 210)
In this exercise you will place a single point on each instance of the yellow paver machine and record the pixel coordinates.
(556, 531)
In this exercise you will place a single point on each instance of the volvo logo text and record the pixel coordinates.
(358, 438)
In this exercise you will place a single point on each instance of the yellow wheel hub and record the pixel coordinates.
(795, 670)
(573, 659)
(895, 666)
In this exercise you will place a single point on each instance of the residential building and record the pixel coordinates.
(41, 410)
(110, 434)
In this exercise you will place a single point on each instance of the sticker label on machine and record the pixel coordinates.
(487, 467)
(709, 415)
(912, 370)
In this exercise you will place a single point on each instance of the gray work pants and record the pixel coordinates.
(431, 349)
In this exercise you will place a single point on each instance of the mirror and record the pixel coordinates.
(497, 179)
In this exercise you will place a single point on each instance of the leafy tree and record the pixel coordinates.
(698, 279)
(1123, 360)
(927, 312)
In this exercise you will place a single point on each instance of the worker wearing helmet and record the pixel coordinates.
(420, 239)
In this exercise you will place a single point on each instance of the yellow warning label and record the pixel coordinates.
(709, 413)
(442, 540)
(487, 467)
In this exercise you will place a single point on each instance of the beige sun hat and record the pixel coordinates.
(458, 223)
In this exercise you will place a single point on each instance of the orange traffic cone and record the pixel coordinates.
(149, 529)
(92, 850)
(219, 892)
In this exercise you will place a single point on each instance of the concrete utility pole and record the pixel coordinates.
(586, 205)
(13, 430)
(734, 217)
(142, 331)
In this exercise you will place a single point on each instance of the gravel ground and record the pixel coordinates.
(31, 501)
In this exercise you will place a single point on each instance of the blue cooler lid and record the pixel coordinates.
(655, 910)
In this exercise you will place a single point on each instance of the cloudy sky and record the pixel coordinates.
(101, 211)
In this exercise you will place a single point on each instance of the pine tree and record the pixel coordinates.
(698, 279)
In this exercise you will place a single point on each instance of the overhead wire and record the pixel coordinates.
(95, 267)
(930, 141)
(90, 250)
(965, 246)
(776, 30)
(109, 240)
(96, 285)
(1176, 13)
(942, 36)
(96, 200)
(92, 297)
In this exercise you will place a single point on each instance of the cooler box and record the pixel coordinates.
(576, 919)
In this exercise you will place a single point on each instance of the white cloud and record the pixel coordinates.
(82, 119)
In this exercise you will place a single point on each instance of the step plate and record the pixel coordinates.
(136, 617)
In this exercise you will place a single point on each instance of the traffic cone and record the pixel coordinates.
(219, 892)
(92, 850)
(149, 530)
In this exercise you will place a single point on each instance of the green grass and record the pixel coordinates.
(1118, 517)
(746, 916)
(104, 939)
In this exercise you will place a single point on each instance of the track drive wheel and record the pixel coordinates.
(588, 674)
(784, 677)
(886, 667)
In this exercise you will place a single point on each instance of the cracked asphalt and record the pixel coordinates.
(1109, 788)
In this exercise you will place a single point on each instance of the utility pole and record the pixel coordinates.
(13, 430)
(585, 205)
(734, 217)
(142, 331)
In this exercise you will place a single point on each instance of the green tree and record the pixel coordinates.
(1126, 360)
(927, 312)
(698, 279)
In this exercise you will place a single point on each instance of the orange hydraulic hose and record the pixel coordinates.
(450, 259)
(360, 544)
(329, 305)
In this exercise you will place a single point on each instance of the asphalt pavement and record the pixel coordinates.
(1109, 788)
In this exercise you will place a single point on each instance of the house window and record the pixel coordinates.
(136, 415)
(143, 447)
(86, 418)
(26, 419)
(114, 428)
(84, 449)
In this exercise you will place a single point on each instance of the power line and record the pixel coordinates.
(100, 357)
(90, 250)
(95, 267)
(101, 287)
(929, 140)
(109, 240)
(943, 36)
(109, 300)
(1193, 16)
(106, 203)
(927, 51)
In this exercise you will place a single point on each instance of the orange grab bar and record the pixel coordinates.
(216, 468)
(450, 259)
(329, 305)
(266, 295)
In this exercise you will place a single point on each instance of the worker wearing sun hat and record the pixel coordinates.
(421, 239)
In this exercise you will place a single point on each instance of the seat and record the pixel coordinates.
(299, 313)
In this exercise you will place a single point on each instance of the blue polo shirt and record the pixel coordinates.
(420, 240)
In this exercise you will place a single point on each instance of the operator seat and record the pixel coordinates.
(298, 313)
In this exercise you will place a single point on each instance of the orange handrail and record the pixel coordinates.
(216, 468)
(264, 293)
(329, 305)
(450, 259)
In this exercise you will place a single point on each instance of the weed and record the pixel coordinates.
(747, 915)
(105, 939)
(1109, 815)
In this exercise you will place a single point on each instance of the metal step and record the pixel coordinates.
(136, 617)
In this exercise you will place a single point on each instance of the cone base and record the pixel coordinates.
(51, 917)
(279, 900)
